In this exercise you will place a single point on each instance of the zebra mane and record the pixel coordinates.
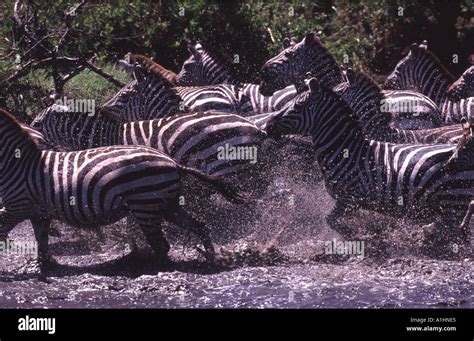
(368, 79)
(437, 61)
(159, 77)
(221, 60)
(319, 46)
(149, 64)
(343, 105)
(13, 125)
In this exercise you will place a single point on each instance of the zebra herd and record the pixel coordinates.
(130, 157)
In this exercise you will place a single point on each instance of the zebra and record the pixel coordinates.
(153, 96)
(37, 136)
(193, 139)
(402, 180)
(310, 56)
(366, 99)
(93, 187)
(422, 70)
(202, 68)
(463, 160)
(149, 95)
(291, 65)
(131, 59)
(463, 87)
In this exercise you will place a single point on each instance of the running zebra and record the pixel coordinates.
(366, 99)
(131, 59)
(93, 187)
(421, 70)
(402, 180)
(310, 56)
(463, 87)
(202, 68)
(153, 96)
(197, 140)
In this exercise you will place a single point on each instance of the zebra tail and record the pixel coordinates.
(223, 187)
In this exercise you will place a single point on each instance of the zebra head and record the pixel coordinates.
(463, 156)
(148, 96)
(291, 65)
(463, 87)
(403, 76)
(287, 67)
(202, 68)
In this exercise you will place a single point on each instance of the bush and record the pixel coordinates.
(370, 35)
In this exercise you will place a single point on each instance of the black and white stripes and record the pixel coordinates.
(92, 187)
(396, 179)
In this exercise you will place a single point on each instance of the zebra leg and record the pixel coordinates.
(41, 227)
(157, 241)
(340, 211)
(184, 220)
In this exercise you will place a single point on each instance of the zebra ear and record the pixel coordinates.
(424, 45)
(128, 57)
(313, 85)
(413, 47)
(286, 42)
(317, 34)
(139, 73)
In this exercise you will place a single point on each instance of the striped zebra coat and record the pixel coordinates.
(365, 98)
(198, 140)
(421, 70)
(202, 68)
(402, 180)
(92, 187)
(293, 64)
(151, 96)
(463, 87)
(37, 136)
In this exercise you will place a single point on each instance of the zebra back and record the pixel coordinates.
(70, 131)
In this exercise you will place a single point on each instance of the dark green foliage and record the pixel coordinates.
(371, 35)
